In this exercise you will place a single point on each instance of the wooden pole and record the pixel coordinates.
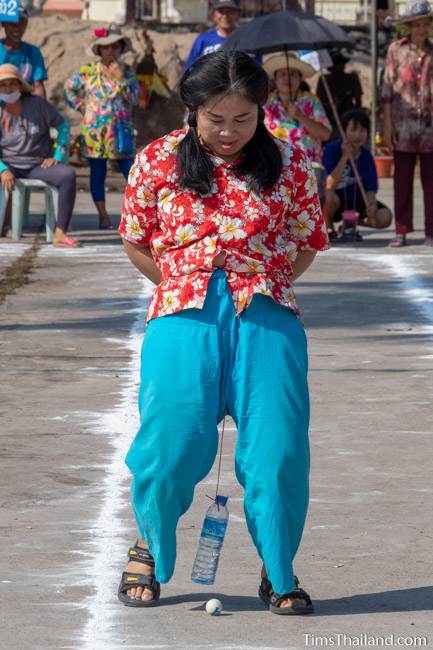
(340, 129)
(373, 39)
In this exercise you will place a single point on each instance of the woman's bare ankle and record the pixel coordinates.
(142, 544)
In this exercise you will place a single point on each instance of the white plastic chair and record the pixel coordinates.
(4, 197)
(21, 203)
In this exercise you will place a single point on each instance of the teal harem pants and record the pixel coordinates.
(198, 365)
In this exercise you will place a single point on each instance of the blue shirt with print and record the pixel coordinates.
(364, 162)
(28, 59)
(206, 43)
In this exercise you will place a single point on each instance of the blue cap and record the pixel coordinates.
(221, 500)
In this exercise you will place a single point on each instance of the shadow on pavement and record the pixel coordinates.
(402, 600)
(230, 603)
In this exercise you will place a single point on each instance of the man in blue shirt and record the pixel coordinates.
(342, 192)
(225, 15)
(26, 57)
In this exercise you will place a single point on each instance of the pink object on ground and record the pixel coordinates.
(67, 242)
(350, 215)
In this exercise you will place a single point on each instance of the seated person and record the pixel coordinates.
(26, 149)
(342, 191)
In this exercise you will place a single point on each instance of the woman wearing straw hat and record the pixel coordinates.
(407, 94)
(26, 150)
(295, 116)
(104, 92)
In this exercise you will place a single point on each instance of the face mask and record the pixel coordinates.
(10, 98)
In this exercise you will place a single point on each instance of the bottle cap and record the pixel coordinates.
(221, 500)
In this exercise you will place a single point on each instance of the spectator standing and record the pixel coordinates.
(26, 149)
(407, 93)
(345, 88)
(104, 92)
(293, 115)
(225, 14)
(24, 56)
(342, 192)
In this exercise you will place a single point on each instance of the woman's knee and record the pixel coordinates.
(66, 175)
(383, 218)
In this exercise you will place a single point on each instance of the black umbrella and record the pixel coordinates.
(287, 30)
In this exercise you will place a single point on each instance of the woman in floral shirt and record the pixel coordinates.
(105, 92)
(407, 95)
(222, 218)
(292, 115)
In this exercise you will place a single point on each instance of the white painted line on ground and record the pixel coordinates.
(408, 271)
(106, 545)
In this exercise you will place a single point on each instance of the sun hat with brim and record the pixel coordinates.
(414, 10)
(279, 60)
(104, 36)
(9, 71)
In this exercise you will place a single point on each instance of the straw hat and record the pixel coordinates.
(278, 60)
(104, 36)
(414, 10)
(9, 71)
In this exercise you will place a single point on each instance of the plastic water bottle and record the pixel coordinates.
(210, 543)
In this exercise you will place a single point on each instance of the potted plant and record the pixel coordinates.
(382, 158)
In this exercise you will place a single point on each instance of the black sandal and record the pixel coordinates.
(273, 600)
(133, 580)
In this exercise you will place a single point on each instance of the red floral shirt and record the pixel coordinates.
(260, 233)
(408, 87)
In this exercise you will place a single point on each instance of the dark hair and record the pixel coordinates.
(216, 74)
(358, 117)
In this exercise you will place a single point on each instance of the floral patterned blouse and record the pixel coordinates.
(408, 87)
(107, 129)
(290, 131)
(260, 233)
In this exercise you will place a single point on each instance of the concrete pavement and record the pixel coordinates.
(69, 370)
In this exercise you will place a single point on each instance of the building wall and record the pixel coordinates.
(196, 11)
(106, 10)
(184, 11)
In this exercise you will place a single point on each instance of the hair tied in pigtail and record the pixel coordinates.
(192, 120)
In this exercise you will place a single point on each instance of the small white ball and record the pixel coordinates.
(214, 607)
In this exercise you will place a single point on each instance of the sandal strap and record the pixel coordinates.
(296, 594)
(134, 580)
(276, 599)
(137, 554)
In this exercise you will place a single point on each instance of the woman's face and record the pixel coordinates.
(419, 30)
(9, 86)
(287, 81)
(226, 124)
(110, 53)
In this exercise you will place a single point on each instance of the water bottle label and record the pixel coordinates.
(213, 529)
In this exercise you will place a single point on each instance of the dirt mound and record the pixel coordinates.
(64, 42)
